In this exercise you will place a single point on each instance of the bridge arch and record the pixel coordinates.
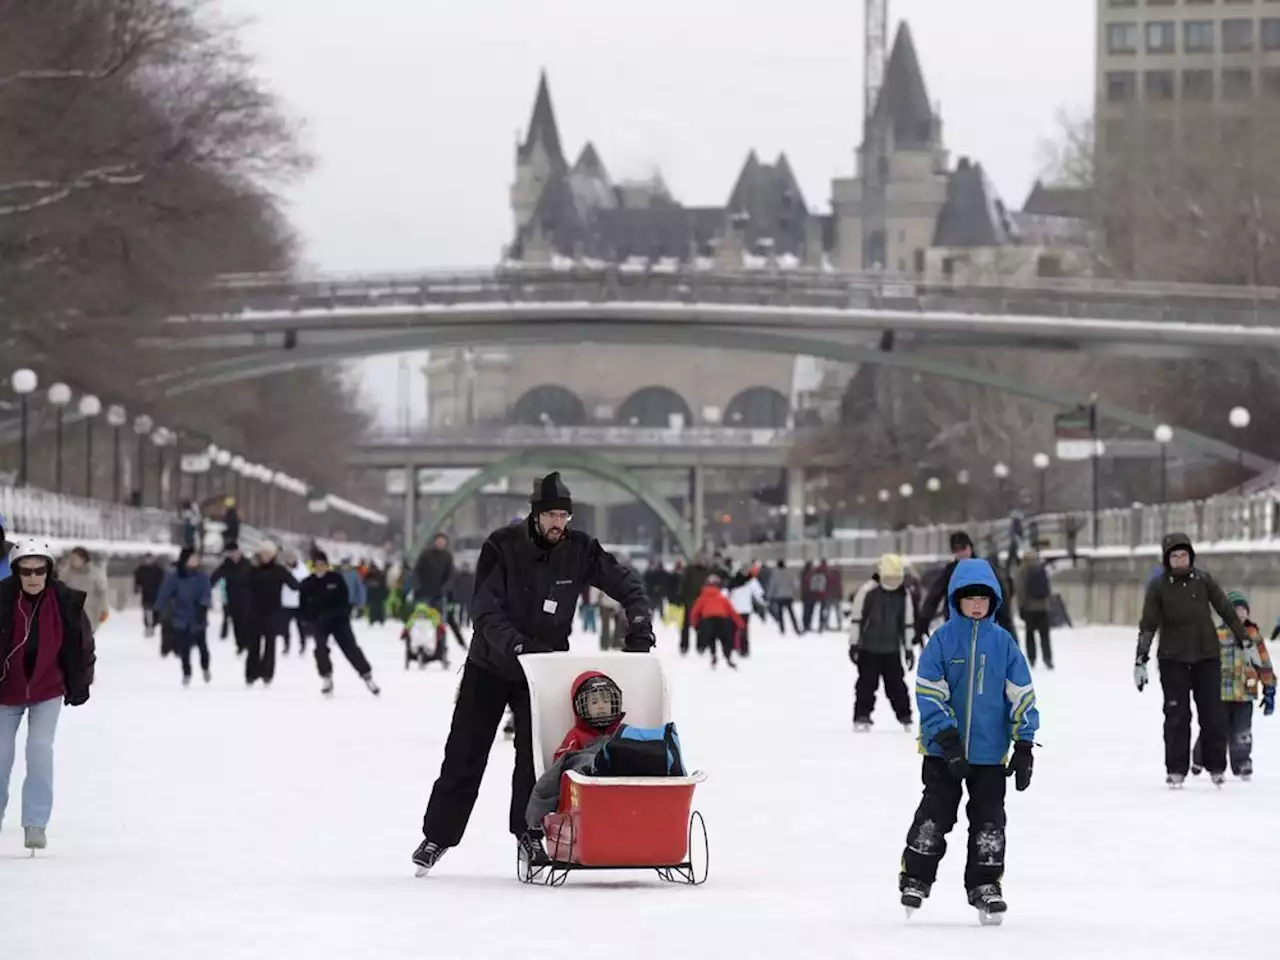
(584, 461)
(653, 407)
(758, 407)
(549, 403)
(268, 360)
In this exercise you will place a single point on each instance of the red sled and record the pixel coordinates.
(612, 823)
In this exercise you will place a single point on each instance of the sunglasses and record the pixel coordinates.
(32, 571)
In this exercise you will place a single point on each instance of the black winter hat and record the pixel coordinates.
(960, 540)
(550, 493)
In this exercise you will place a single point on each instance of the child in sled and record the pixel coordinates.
(423, 638)
(597, 711)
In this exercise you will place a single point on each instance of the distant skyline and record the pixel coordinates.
(413, 107)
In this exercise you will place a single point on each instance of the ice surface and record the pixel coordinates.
(228, 823)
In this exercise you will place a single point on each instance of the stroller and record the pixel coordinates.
(423, 638)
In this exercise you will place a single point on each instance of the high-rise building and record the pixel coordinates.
(1174, 62)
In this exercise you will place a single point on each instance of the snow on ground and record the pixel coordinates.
(228, 823)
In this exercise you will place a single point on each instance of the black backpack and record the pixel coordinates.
(1037, 585)
(641, 752)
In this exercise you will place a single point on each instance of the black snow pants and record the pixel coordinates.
(483, 698)
(341, 633)
(1239, 717)
(871, 667)
(936, 815)
(183, 641)
(260, 655)
(1181, 682)
(1037, 624)
(717, 630)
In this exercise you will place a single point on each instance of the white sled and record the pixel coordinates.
(612, 823)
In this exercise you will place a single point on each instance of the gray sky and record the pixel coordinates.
(412, 106)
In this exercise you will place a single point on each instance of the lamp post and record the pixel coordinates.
(142, 427)
(905, 491)
(962, 478)
(160, 439)
(1001, 471)
(933, 485)
(24, 383)
(1041, 462)
(1164, 436)
(90, 407)
(116, 418)
(59, 396)
(1239, 419)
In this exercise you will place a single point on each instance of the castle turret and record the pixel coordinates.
(538, 157)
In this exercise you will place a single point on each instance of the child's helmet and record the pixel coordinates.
(598, 702)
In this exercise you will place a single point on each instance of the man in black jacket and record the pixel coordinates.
(528, 581)
(961, 549)
(234, 569)
(1180, 604)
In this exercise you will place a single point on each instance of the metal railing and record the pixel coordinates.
(1223, 522)
(590, 436)
(774, 286)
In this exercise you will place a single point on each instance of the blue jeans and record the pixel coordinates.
(37, 788)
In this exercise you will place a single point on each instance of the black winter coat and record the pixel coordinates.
(432, 573)
(265, 583)
(527, 592)
(236, 574)
(1179, 605)
(78, 655)
(324, 599)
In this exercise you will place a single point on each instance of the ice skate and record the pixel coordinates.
(33, 838)
(531, 856)
(907, 724)
(186, 681)
(1174, 781)
(427, 856)
(326, 687)
(914, 894)
(1218, 779)
(208, 677)
(372, 685)
(989, 903)
(1196, 769)
(861, 725)
(1245, 777)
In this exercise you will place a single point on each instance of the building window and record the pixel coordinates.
(1158, 85)
(1270, 82)
(1160, 3)
(1197, 36)
(1122, 86)
(1237, 83)
(1161, 37)
(1237, 35)
(1197, 85)
(1271, 33)
(1122, 3)
(1122, 38)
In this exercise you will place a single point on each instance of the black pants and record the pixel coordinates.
(183, 641)
(148, 616)
(1181, 682)
(610, 629)
(807, 608)
(341, 633)
(936, 815)
(293, 615)
(871, 667)
(717, 630)
(483, 698)
(242, 625)
(260, 655)
(744, 644)
(1037, 625)
(785, 606)
(1239, 717)
(685, 626)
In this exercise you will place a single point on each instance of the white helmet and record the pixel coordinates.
(31, 547)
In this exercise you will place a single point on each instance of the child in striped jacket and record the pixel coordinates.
(1241, 683)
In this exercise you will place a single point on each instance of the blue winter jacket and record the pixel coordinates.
(355, 587)
(5, 571)
(190, 594)
(973, 677)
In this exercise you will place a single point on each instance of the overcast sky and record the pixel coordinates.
(412, 106)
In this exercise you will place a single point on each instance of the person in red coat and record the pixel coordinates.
(46, 660)
(715, 620)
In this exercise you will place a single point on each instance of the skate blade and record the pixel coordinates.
(421, 871)
(990, 919)
(909, 911)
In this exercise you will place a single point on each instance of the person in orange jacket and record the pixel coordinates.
(715, 620)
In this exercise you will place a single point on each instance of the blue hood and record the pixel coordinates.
(968, 573)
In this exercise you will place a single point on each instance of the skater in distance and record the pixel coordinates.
(974, 692)
(1179, 605)
(528, 581)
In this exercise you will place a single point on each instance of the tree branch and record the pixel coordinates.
(55, 191)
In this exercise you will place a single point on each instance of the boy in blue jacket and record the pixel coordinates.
(974, 693)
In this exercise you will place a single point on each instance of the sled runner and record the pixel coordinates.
(612, 823)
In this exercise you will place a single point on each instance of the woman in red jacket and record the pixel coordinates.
(46, 659)
(715, 620)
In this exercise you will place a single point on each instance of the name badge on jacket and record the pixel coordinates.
(549, 606)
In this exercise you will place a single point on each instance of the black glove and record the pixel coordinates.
(639, 637)
(854, 650)
(911, 658)
(1020, 765)
(76, 699)
(919, 638)
(953, 752)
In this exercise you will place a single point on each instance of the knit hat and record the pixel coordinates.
(960, 540)
(890, 570)
(1237, 599)
(550, 493)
